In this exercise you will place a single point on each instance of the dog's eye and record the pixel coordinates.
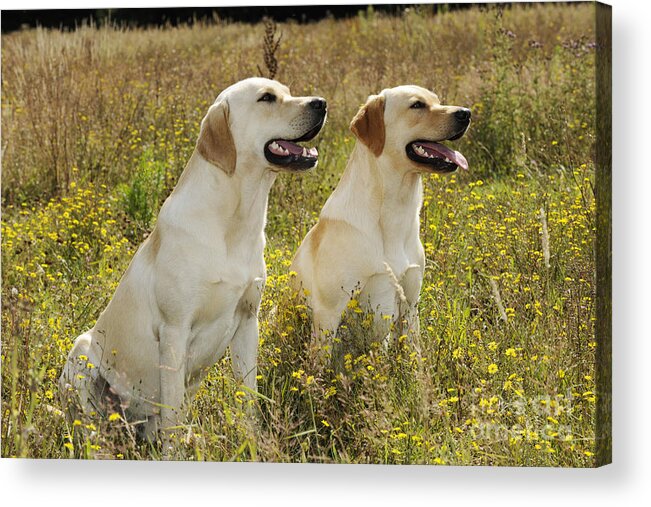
(267, 97)
(417, 105)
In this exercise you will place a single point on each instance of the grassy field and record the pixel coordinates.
(97, 125)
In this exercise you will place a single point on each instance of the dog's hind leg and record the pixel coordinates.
(81, 385)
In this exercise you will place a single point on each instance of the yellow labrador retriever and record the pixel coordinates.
(366, 243)
(193, 288)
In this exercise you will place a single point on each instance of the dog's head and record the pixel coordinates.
(258, 119)
(408, 124)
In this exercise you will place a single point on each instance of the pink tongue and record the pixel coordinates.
(441, 151)
(292, 148)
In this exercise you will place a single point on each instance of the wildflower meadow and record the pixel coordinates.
(97, 125)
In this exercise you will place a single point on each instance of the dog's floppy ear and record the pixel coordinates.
(368, 124)
(215, 142)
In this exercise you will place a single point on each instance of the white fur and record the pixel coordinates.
(194, 286)
(367, 238)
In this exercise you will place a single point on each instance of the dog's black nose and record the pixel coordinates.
(463, 114)
(318, 104)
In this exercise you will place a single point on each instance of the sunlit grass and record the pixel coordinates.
(503, 371)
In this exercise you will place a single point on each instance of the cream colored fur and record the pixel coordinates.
(366, 243)
(193, 288)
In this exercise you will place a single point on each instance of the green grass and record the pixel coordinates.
(503, 372)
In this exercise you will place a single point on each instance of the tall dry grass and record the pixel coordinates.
(97, 125)
(90, 99)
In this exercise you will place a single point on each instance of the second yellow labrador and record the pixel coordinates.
(366, 243)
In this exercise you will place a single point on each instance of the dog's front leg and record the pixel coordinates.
(411, 282)
(172, 381)
(244, 351)
(244, 346)
(409, 320)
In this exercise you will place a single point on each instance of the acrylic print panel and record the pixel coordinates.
(488, 346)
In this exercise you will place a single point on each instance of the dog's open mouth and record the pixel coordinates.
(290, 155)
(437, 156)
